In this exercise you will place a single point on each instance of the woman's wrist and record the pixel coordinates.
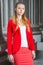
(34, 54)
(9, 55)
(33, 50)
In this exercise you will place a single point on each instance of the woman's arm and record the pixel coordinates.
(32, 44)
(9, 42)
(9, 37)
(31, 40)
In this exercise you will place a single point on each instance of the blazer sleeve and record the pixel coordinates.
(9, 37)
(31, 40)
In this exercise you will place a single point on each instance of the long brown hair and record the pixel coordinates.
(24, 18)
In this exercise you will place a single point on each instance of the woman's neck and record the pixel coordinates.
(19, 18)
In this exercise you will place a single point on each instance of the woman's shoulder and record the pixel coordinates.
(28, 20)
(11, 20)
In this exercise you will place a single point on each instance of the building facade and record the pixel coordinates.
(34, 11)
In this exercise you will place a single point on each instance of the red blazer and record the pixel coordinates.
(14, 38)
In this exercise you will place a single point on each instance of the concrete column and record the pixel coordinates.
(5, 13)
(41, 12)
(2, 14)
(36, 12)
(17, 0)
(11, 7)
(31, 11)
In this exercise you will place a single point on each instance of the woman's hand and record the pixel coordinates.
(33, 54)
(11, 59)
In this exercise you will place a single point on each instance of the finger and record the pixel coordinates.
(34, 56)
(12, 60)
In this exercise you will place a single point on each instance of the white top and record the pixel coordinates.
(24, 42)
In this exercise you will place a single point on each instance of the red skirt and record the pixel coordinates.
(23, 57)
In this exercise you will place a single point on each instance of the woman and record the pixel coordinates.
(20, 43)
